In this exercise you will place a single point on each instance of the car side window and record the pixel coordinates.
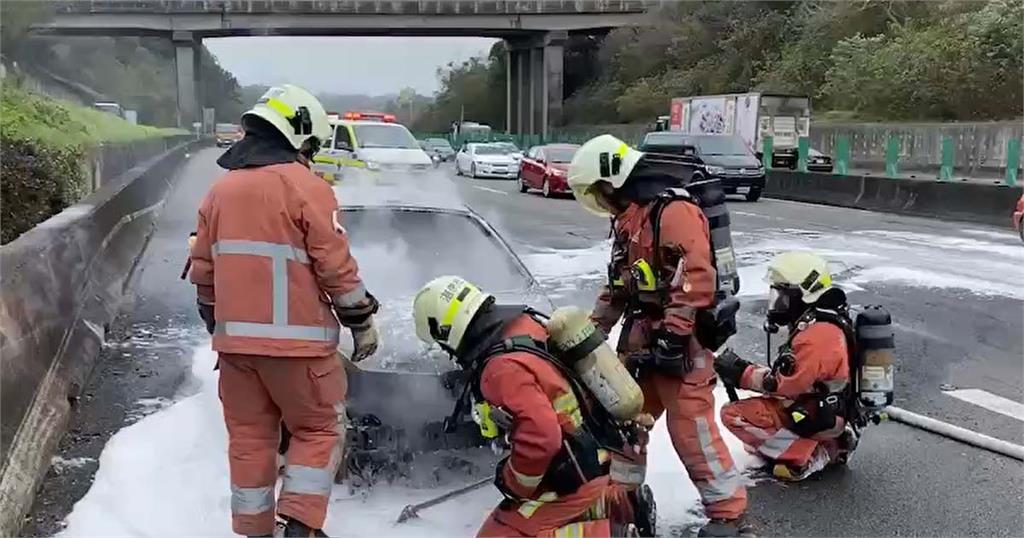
(531, 153)
(540, 155)
(342, 140)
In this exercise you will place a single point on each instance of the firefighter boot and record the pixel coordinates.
(819, 460)
(294, 528)
(727, 527)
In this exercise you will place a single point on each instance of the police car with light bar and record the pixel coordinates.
(369, 141)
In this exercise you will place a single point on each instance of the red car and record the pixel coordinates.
(545, 168)
(1018, 217)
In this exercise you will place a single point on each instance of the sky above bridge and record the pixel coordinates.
(345, 65)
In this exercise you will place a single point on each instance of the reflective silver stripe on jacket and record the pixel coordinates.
(306, 480)
(723, 482)
(251, 501)
(279, 328)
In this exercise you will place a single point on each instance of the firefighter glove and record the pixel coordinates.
(206, 313)
(671, 353)
(730, 367)
(364, 340)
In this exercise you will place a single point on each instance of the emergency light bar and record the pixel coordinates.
(370, 116)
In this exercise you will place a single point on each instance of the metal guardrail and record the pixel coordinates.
(386, 7)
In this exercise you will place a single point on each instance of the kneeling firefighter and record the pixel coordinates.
(671, 271)
(570, 410)
(830, 377)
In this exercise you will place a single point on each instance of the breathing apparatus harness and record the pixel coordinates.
(816, 411)
(578, 461)
(713, 325)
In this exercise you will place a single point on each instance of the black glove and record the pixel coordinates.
(206, 312)
(670, 353)
(730, 367)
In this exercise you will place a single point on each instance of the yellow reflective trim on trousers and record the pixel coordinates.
(280, 107)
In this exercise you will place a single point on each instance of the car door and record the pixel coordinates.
(529, 168)
(538, 167)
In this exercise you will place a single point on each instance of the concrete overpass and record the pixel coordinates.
(535, 31)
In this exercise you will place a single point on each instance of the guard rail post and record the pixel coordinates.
(803, 147)
(892, 156)
(842, 155)
(948, 159)
(1012, 161)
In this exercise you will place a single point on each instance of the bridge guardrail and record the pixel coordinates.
(389, 7)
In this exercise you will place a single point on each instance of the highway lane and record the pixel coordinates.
(901, 481)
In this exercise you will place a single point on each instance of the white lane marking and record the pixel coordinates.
(488, 189)
(990, 401)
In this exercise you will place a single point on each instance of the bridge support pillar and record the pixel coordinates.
(534, 85)
(187, 54)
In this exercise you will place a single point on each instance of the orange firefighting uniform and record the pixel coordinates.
(819, 357)
(543, 409)
(689, 275)
(270, 256)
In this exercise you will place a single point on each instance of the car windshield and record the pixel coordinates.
(508, 147)
(559, 155)
(721, 145)
(491, 150)
(225, 128)
(384, 135)
(438, 143)
(400, 250)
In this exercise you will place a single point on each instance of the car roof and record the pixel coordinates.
(566, 146)
(670, 137)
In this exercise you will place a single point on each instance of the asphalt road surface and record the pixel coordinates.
(901, 481)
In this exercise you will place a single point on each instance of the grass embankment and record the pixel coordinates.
(44, 143)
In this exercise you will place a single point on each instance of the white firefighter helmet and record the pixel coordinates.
(444, 308)
(804, 271)
(604, 158)
(293, 111)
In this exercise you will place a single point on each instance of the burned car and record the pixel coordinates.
(399, 399)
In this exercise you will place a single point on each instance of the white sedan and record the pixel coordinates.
(486, 160)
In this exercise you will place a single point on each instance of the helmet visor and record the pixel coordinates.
(782, 299)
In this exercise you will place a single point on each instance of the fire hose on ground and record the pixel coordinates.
(956, 433)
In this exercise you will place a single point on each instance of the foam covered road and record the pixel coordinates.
(954, 291)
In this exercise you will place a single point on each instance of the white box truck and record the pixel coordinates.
(752, 116)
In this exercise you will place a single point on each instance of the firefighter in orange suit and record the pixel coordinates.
(274, 277)
(660, 276)
(556, 480)
(798, 424)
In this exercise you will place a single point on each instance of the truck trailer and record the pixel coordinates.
(751, 116)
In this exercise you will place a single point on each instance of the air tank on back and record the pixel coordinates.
(582, 346)
(875, 345)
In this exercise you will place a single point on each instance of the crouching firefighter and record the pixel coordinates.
(669, 279)
(525, 375)
(831, 376)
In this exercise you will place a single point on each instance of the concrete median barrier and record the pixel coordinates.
(62, 283)
(953, 200)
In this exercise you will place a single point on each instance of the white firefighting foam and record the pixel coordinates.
(167, 475)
